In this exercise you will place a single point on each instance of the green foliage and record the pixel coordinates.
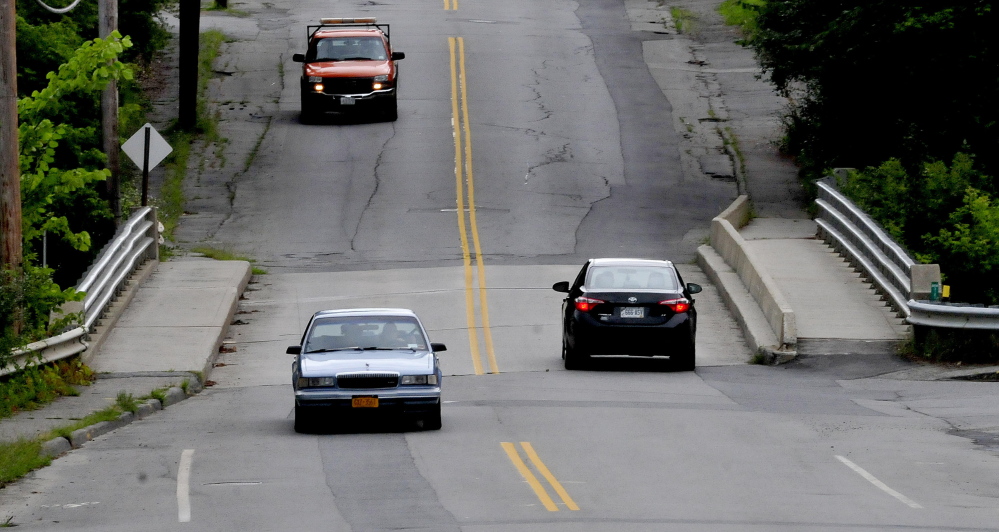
(742, 13)
(873, 80)
(140, 19)
(37, 385)
(966, 346)
(968, 247)
(943, 214)
(684, 20)
(20, 458)
(88, 71)
(126, 402)
(26, 300)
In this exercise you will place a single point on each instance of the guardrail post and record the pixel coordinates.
(921, 277)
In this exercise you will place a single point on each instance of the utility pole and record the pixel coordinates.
(107, 21)
(10, 173)
(190, 32)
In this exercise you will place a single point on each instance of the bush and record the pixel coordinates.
(37, 385)
(26, 301)
(876, 79)
(942, 214)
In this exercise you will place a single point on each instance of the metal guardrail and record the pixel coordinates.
(852, 232)
(954, 315)
(135, 242)
(119, 258)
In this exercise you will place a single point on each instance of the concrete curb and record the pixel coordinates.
(760, 309)
(745, 310)
(57, 446)
(224, 330)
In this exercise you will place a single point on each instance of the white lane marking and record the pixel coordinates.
(184, 486)
(873, 480)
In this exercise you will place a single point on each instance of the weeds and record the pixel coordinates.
(126, 402)
(36, 386)
(226, 254)
(20, 458)
(684, 20)
(741, 13)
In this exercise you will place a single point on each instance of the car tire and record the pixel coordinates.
(685, 359)
(432, 421)
(391, 110)
(572, 358)
(308, 115)
(305, 419)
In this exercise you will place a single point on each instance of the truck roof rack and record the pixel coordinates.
(341, 22)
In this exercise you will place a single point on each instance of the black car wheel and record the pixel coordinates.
(308, 115)
(684, 360)
(391, 110)
(432, 421)
(572, 357)
(305, 419)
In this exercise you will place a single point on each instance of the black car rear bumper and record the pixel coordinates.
(590, 336)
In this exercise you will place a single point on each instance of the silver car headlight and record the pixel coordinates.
(419, 380)
(316, 382)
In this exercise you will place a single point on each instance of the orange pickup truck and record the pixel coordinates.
(349, 67)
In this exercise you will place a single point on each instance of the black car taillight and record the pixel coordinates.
(586, 304)
(677, 305)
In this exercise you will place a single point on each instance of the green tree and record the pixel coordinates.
(942, 215)
(881, 79)
(88, 71)
(28, 296)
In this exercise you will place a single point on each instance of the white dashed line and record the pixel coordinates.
(881, 485)
(184, 486)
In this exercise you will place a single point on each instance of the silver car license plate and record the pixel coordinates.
(347, 100)
(632, 312)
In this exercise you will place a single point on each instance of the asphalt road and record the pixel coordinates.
(565, 149)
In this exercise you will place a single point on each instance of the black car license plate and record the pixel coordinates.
(632, 312)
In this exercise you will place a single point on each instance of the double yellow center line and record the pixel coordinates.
(450, 5)
(465, 184)
(532, 480)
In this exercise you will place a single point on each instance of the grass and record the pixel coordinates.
(18, 458)
(226, 254)
(36, 386)
(684, 20)
(730, 139)
(171, 200)
(741, 13)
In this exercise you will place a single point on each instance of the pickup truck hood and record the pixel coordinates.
(404, 362)
(348, 69)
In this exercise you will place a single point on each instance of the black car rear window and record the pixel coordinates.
(631, 278)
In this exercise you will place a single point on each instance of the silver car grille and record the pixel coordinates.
(366, 381)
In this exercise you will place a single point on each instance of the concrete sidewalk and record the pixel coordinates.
(166, 339)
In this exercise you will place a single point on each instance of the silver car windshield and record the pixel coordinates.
(631, 278)
(350, 333)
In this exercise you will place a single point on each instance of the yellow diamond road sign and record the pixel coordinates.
(135, 146)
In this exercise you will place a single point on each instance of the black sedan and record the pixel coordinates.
(628, 307)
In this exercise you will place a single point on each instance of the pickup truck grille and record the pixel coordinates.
(347, 85)
(367, 381)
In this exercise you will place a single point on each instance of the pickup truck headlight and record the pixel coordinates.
(316, 382)
(419, 380)
(383, 77)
